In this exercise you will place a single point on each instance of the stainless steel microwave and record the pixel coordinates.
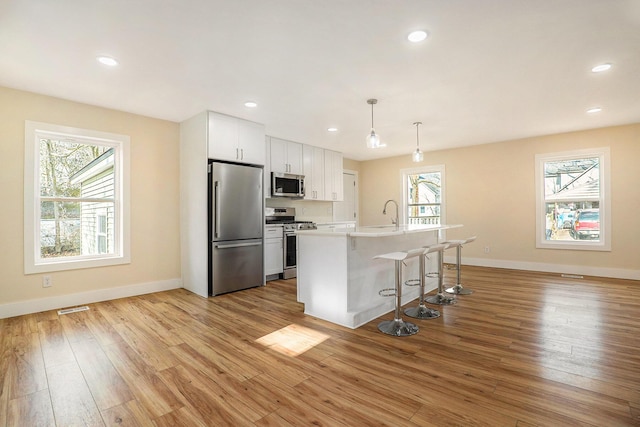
(287, 185)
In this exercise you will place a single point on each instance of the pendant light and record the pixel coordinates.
(373, 140)
(417, 155)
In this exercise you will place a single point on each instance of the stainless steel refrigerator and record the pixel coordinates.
(236, 212)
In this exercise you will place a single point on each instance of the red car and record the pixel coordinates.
(586, 225)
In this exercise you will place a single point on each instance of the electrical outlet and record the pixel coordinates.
(47, 281)
(487, 249)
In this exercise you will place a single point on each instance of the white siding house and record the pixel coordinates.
(98, 208)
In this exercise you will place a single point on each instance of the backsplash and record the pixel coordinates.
(306, 210)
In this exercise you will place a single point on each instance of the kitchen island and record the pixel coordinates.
(338, 279)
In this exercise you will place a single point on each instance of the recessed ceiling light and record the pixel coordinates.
(594, 110)
(600, 68)
(417, 36)
(107, 60)
(332, 130)
(251, 104)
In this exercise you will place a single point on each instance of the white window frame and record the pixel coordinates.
(604, 241)
(424, 169)
(33, 262)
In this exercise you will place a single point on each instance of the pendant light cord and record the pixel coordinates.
(372, 115)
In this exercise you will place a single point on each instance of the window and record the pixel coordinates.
(76, 198)
(423, 191)
(572, 200)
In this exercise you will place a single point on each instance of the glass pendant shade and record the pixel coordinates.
(373, 140)
(417, 155)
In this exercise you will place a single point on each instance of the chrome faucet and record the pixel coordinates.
(384, 212)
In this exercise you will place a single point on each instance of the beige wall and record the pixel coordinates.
(155, 248)
(491, 190)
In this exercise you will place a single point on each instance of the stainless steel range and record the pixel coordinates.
(287, 218)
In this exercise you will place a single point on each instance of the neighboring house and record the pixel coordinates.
(425, 198)
(97, 214)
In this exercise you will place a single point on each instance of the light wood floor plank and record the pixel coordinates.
(127, 414)
(70, 397)
(107, 387)
(31, 410)
(142, 380)
(55, 345)
(30, 375)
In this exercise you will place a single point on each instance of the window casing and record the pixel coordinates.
(76, 198)
(423, 195)
(571, 186)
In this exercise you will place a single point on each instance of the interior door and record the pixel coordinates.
(347, 210)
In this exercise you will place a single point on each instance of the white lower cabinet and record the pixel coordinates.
(273, 250)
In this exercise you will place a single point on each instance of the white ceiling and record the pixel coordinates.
(491, 70)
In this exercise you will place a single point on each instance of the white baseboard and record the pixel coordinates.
(583, 270)
(51, 303)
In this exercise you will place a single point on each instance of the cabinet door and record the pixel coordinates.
(286, 156)
(338, 179)
(251, 147)
(223, 137)
(333, 176)
(313, 171)
(273, 256)
(294, 157)
(278, 155)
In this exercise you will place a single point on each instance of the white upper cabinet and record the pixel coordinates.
(313, 171)
(333, 184)
(235, 140)
(286, 156)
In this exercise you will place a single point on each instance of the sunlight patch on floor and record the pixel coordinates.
(292, 340)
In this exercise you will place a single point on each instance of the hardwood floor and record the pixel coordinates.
(525, 349)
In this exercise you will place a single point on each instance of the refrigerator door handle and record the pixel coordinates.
(216, 198)
(237, 245)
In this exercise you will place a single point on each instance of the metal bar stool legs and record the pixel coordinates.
(422, 311)
(397, 327)
(439, 298)
(458, 289)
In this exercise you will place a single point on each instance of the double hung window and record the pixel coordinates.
(573, 200)
(76, 198)
(423, 190)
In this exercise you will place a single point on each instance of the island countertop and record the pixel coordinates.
(377, 230)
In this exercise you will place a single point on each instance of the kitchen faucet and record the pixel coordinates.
(384, 212)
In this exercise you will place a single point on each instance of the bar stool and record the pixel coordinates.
(422, 311)
(439, 298)
(458, 289)
(398, 327)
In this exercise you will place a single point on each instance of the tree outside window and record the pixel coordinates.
(423, 191)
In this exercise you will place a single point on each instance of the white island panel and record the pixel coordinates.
(338, 279)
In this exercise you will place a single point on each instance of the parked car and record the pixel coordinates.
(586, 224)
(565, 220)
